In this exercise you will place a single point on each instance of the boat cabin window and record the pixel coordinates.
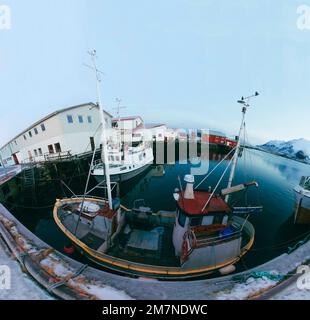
(196, 221)
(207, 220)
(218, 219)
(181, 218)
(136, 144)
(225, 220)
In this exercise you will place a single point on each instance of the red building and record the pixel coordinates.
(218, 138)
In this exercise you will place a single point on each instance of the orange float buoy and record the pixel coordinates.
(69, 249)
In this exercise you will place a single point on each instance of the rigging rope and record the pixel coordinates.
(208, 175)
(220, 180)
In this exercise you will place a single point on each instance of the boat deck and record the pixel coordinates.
(137, 243)
(143, 246)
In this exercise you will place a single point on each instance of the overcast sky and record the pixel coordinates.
(180, 62)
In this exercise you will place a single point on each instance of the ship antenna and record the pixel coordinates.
(246, 104)
(104, 154)
(118, 112)
(119, 108)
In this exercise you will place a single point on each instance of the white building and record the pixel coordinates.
(171, 135)
(134, 129)
(70, 131)
(158, 131)
(131, 129)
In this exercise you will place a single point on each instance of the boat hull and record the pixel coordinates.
(302, 207)
(121, 177)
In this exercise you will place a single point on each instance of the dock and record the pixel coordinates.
(8, 173)
(65, 278)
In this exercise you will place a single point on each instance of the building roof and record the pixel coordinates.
(126, 118)
(193, 207)
(141, 126)
(52, 115)
(154, 125)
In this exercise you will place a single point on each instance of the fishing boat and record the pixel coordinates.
(302, 196)
(125, 162)
(202, 235)
(128, 156)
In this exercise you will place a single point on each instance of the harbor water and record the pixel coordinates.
(276, 176)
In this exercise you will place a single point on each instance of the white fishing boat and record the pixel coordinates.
(302, 196)
(129, 154)
(203, 235)
(125, 163)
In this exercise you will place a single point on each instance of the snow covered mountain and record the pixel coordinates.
(298, 149)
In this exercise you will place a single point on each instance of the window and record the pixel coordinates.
(69, 118)
(35, 152)
(30, 134)
(90, 119)
(182, 219)
(43, 127)
(57, 147)
(81, 120)
(50, 148)
(196, 221)
(40, 152)
(35, 130)
(218, 219)
(25, 137)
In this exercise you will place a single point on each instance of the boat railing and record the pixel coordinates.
(88, 197)
(207, 239)
(58, 156)
(98, 199)
(98, 164)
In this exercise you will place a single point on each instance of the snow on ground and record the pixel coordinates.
(292, 293)
(247, 290)
(103, 293)
(22, 286)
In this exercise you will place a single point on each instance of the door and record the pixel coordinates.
(15, 159)
(30, 156)
(50, 149)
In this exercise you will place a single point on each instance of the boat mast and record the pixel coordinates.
(104, 154)
(118, 111)
(246, 104)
